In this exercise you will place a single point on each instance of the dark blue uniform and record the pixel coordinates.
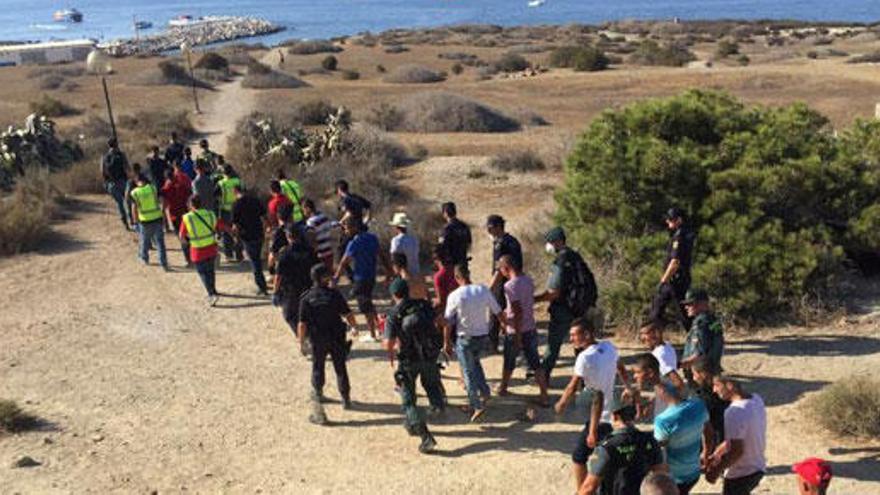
(680, 247)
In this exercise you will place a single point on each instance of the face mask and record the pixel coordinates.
(549, 248)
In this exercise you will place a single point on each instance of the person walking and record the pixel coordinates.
(187, 165)
(130, 186)
(205, 188)
(276, 201)
(400, 267)
(676, 278)
(445, 281)
(468, 312)
(521, 331)
(207, 158)
(622, 460)
(323, 314)
(651, 336)
(362, 251)
(703, 379)
(814, 476)
(503, 244)
(292, 277)
(351, 204)
(226, 188)
(248, 225)
(199, 230)
(147, 210)
(571, 292)
(294, 193)
(681, 432)
(114, 170)
(156, 167)
(174, 151)
(411, 335)
(741, 456)
(406, 243)
(175, 195)
(595, 369)
(456, 235)
(320, 232)
(278, 235)
(706, 335)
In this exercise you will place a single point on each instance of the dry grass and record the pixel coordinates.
(260, 76)
(519, 161)
(25, 213)
(169, 73)
(442, 112)
(849, 407)
(312, 47)
(50, 107)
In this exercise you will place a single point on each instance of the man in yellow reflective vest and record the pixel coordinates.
(199, 228)
(146, 210)
(293, 191)
(226, 187)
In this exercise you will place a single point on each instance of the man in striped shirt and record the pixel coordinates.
(320, 233)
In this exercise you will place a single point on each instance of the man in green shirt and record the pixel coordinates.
(706, 336)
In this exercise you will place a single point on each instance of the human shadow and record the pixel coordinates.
(808, 345)
(776, 391)
(255, 304)
(515, 437)
(866, 468)
(57, 242)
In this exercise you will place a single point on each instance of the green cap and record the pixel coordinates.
(399, 287)
(555, 234)
(695, 295)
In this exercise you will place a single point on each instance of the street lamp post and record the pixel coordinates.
(186, 50)
(99, 64)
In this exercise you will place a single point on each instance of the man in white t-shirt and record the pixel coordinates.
(741, 456)
(651, 335)
(595, 369)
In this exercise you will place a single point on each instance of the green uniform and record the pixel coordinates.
(293, 191)
(564, 274)
(705, 338)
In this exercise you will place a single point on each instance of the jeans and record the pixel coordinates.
(205, 269)
(230, 246)
(557, 331)
(336, 350)
(116, 190)
(407, 374)
(148, 233)
(254, 250)
(468, 349)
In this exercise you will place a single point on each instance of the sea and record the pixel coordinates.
(31, 20)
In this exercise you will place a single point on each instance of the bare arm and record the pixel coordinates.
(496, 281)
(301, 332)
(595, 417)
(343, 264)
(567, 394)
(548, 295)
(670, 271)
(591, 485)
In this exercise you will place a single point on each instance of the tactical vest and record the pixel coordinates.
(227, 192)
(629, 452)
(419, 339)
(200, 226)
(293, 191)
(147, 201)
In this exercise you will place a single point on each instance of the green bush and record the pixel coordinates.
(329, 62)
(779, 202)
(849, 407)
(213, 61)
(50, 107)
(579, 58)
(671, 54)
(351, 75)
(457, 68)
(512, 62)
(517, 161)
(726, 48)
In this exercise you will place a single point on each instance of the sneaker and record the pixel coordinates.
(262, 292)
(436, 412)
(318, 397)
(428, 444)
(166, 268)
(477, 414)
(213, 299)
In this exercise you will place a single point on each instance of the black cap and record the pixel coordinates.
(674, 212)
(555, 234)
(495, 221)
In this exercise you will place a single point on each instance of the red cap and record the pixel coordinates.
(814, 471)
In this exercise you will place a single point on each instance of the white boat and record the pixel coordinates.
(67, 15)
(537, 3)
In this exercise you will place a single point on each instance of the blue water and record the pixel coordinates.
(32, 19)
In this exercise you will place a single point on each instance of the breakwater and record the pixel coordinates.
(203, 31)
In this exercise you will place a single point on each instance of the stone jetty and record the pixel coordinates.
(201, 31)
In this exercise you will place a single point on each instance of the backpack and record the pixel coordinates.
(581, 292)
(419, 338)
(630, 454)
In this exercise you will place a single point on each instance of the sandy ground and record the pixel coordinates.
(145, 389)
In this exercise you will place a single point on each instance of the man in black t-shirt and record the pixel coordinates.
(248, 221)
(503, 244)
(174, 151)
(114, 170)
(321, 314)
(351, 204)
(292, 277)
(456, 236)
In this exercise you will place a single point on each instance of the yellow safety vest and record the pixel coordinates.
(227, 192)
(147, 200)
(200, 227)
(293, 191)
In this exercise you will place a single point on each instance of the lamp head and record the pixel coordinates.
(98, 63)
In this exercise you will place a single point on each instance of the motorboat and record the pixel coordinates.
(182, 20)
(67, 15)
(141, 25)
(537, 3)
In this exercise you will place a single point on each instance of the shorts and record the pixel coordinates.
(581, 450)
(529, 350)
(362, 290)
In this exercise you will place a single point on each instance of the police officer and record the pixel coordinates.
(147, 212)
(321, 313)
(455, 236)
(226, 186)
(706, 336)
(503, 244)
(410, 330)
(571, 291)
(676, 278)
(622, 460)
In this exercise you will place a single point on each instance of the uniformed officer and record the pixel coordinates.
(620, 462)
(706, 336)
(676, 278)
(503, 244)
(570, 291)
(410, 331)
(455, 236)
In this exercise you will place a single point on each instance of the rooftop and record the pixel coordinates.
(48, 44)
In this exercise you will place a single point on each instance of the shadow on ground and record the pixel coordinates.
(812, 345)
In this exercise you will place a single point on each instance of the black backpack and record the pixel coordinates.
(581, 292)
(419, 338)
(631, 454)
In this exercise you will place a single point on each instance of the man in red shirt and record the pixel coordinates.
(175, 192)
(444, 278)
(278, 198)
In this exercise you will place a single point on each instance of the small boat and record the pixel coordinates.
(537, 3)
(181, 20)
(140, 25)
(67, 15)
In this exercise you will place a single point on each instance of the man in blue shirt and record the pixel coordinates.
(363, 250)
(681, 430)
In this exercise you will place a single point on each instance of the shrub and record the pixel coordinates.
(13, 419)
(329, 63)
(512, 62)
(25, 214)
(849, 407)
(313, 47)
(412, 74)
(442, 112)
(579, 58)
(158, 124)
(212, 61)
(867, 58)
(260, 76)
(396, 49)
(168, 72)
(743, 60)
(457, 68)
(51, 81)
(83, 177)
(778, 201)
(381, 69)
(517, 161)
(726, 48)
(385, 116)
(351, 75)
(671, 54)
(486, 72)
(50, 107)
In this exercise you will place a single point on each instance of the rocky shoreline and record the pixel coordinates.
(200, 32)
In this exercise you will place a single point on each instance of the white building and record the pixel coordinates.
(46, 53)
